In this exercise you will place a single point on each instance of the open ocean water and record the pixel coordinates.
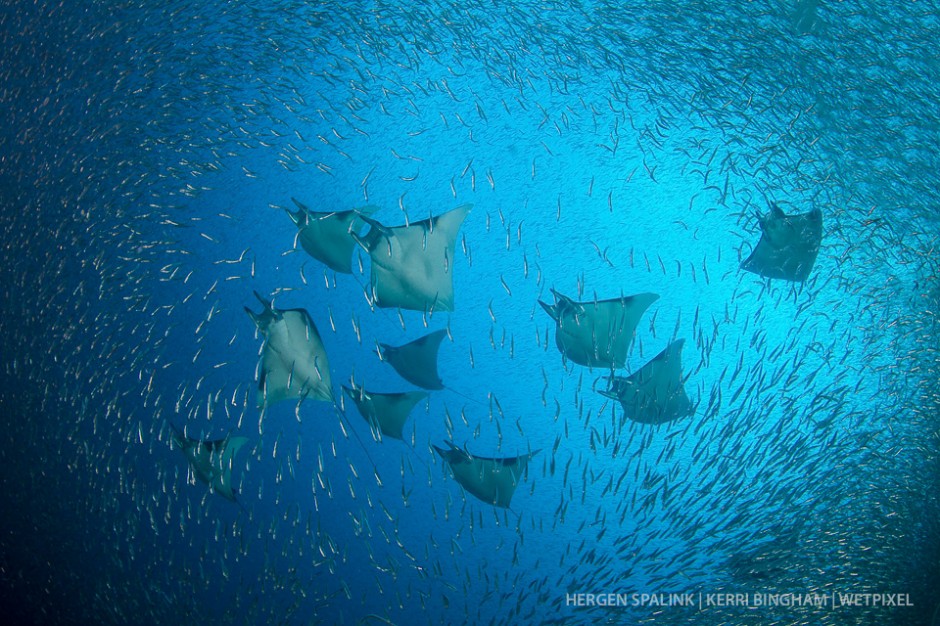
(149, 153)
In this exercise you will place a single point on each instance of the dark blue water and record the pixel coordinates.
(148, 151)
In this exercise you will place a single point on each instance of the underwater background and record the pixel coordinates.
(148, 151)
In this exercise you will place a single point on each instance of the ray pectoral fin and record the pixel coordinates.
(231, 449)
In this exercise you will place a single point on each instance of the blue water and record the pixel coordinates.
(146, 155)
